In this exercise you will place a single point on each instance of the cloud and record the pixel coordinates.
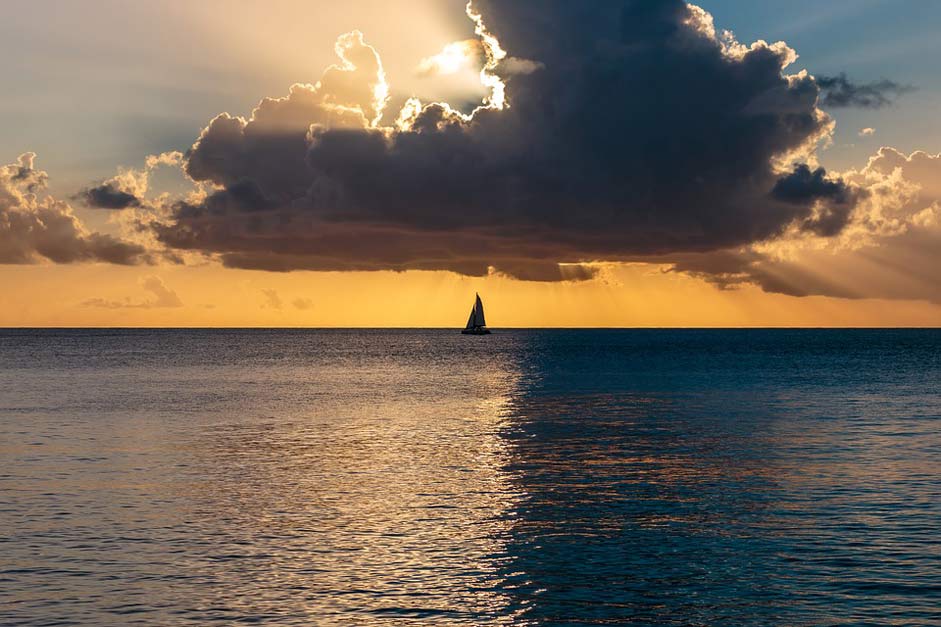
(107, 196)
(35, 227)
(611, 130)
(839, 91)
(129, 187)
(255, 153)
(303, 304)
(890, 249)
(513, 65)
(163, 297)
(867, 132)
(834, 199)
(272, 299)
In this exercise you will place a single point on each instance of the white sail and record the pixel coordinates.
(479, 313)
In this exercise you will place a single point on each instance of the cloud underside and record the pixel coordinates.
(905, 271)
(634, 130)
(891, 249)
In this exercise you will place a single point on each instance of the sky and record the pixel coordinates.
(612, 164)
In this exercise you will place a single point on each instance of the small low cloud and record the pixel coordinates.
(867, 132)
(162, 298)
(839, 91)
(303, 304)
(272, 299)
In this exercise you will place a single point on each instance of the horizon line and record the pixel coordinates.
(456, 329)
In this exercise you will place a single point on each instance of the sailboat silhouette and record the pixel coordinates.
(476, 324)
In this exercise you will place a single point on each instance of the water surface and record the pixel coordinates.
(428, 478)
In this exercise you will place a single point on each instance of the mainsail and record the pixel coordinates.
(477, 319)
(479, 313)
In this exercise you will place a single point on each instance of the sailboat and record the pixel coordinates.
(476, 324)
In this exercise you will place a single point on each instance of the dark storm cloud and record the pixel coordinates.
(635, 130)
(34, 228)
(839, 91)
(107, 196)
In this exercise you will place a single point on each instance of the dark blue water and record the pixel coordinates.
(426, 478)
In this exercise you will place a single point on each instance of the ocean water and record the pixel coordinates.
(650, 477)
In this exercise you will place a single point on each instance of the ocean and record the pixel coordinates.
(422, 477)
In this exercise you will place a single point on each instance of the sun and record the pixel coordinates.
(453, 58)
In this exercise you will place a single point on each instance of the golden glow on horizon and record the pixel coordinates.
(210, 296)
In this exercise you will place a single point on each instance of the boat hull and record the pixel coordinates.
(476, 331)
